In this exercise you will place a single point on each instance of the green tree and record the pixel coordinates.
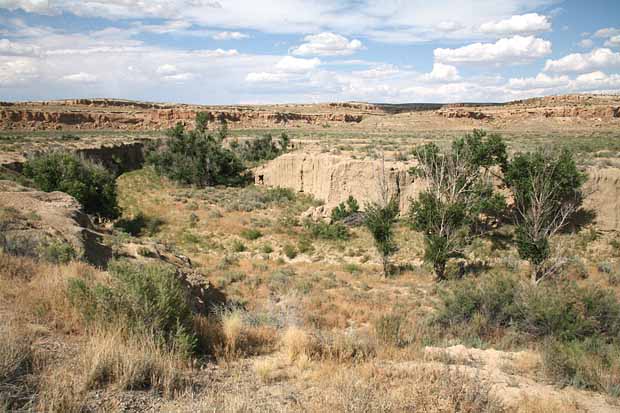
(547, 191)
(91, 184)
(459, 194)
(379, 219)
(195, 157)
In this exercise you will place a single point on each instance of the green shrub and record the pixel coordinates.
(345, 209)
(267, 249)
(238, 246)
(58, 252)
(562, 310)
(195, 157)
(589, 364)
(324, 230)
(304, 245)
(290, 251)
(260, 149)
(251, 234)
(146, 299)
(91, 184)
(139, 225)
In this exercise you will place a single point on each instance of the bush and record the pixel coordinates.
(388, 328)
(58, 252)
(92, 185)
(139, 225)
(563, 311)
(197, 158)
(344, 210)
(146, 299)
(238, 246)
(589, 364)
(251, 234)
(260, 149)
(290, 251)
(324, 230)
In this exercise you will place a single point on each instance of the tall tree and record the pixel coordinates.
(547, 191)
(459, 191)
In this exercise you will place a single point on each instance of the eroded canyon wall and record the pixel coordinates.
(333, 178)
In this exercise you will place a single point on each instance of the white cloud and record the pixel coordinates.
(229, 36)
(541, 81)
(180, 77)
(583, 62)
(517, 49)
(31, 6)
(80, 77)
(586, 43)
(218, 53)
(297, 65)
(392, 20)
(381, 71)
(327, 44)
(519, 24)
(442, 73)
(265, 77)
(167, 70)
(613, 41)
(607, 32)
(597, 81)
(14, 72)
(9, 48)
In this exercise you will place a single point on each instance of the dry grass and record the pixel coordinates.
(297, 343)
(132, 364)
(368, 388)
(16, 363)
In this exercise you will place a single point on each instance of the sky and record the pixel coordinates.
(307, 51)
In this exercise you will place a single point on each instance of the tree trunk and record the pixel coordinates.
(386, 266)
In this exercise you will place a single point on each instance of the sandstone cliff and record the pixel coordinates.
(583, 110)
(333, 178)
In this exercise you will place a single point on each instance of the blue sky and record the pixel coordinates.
(251, 51)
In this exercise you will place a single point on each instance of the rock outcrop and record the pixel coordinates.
(117, 114)
(31, 221)
(333, 178)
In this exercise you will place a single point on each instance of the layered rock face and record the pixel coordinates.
(31, 221)
(129, 115)
(333, 178)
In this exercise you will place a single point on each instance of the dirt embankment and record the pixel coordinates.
(333, 178)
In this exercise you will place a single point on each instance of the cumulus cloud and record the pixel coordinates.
(14, 72)
(519, 24)
(167, 70)
(597, 81)
(586, 43)
(516, 49)
(265, 77)
(584, 62)
(442, 73)
(380, 71)
(607, 32)
(613, 41)
(297, 65)
(229, 36)
(541, 81)
(327, 44)
(9, 48)
(80, 77)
